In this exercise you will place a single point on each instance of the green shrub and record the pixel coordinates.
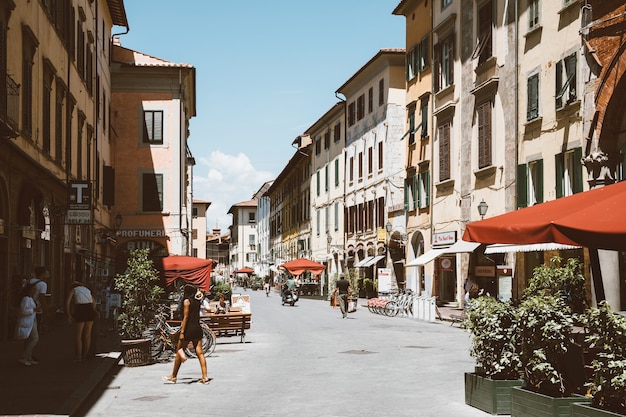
(221, 288)
(493, 325)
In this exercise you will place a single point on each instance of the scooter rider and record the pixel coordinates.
(288, 287)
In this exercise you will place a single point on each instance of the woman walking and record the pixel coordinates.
(81, 308)
(190, 332)
(26, 328)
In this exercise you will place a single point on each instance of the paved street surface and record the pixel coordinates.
(307, 361)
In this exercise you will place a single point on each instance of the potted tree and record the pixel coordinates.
(493, 328)
(551, 360)
(141, 293)
(607, 386)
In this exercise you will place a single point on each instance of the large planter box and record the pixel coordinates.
(586, 410)
(489, 395)
(525, 403)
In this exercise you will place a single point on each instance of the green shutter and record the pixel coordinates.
(336, 172)
(539, 180)
(559, 84)
(318, 182)
(426, 175)
(558, 173)
(406, 194)
(522, 186)
(578, 171)
(417, 191)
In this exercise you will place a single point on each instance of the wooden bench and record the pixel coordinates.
(229, 324)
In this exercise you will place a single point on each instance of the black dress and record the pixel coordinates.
(193, 331)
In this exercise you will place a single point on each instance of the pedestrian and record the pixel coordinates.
(26, 327)
(81, 309)
(190, 332)
(342, 290)
(41, 289)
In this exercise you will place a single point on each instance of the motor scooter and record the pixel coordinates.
(290, 297)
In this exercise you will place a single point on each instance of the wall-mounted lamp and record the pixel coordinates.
(388, 227)
(482, 209)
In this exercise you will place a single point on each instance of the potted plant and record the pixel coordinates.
(493, 328)
(141, 294)
(551, 360)
(607, 386)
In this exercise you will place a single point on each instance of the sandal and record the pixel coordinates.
(169, 379)
(204, 381)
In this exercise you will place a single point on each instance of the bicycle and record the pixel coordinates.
(163, 339)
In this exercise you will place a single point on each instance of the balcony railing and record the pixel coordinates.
(9, 108)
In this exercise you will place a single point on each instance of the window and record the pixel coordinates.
(569, 173)
(58, 125)
(327, 139)
(530, 183)
(370, 160)
(326, 178)
(444, 62)
(411, 125)
(566, 81)
(318, 181)
(381, 92)
(351, 170)
(417, 59)
(337, 172)
(152, 192)
(445, 3)
(360, 166)
(194, 212)
(351, 114)
(251, 240)
(360, 107)
(484, 47)
(318, 145)
(424, 112)
(444, 151)
(252, 217)
(423, 189)
(153, 127)
(484, 134)
(47, 109)
(337, 132)
(27, 96)
(370, 100)
(318, 224)
(327, 218)
(532, 111)
(533, 14)
(336, 216)
(411, 63)
(380, 156)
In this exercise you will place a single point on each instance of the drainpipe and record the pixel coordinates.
(345, 162)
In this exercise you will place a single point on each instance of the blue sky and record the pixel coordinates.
(265, 72)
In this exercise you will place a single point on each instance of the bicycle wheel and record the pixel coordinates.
(391, 309)
(208, 343)
(157, 345)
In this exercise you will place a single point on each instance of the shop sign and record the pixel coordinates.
(78, 217)
(444, 238)
(384, 280)
(381, 234)
(446, 264)
(485, 271)
(28, 232)
(141, 233)
(79, 203)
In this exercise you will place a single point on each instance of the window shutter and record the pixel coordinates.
(336, 172)
(417, 192)
(533, 97)
(108, 185)
(425, 48)
(318, 181)
(578, 171)
(424, 119)
(522, 186)
(406, 194)
(559, 84)
(426, 182)
(558, 169)
(539, 179)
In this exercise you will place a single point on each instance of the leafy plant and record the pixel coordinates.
(545, 329)
(141, 293)
(221, 288)
(607, 337)
(493, 325)
(560, 278)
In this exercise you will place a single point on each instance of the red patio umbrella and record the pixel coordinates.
(594, 219)
(298, 266)
(246, 270)
(192, 270)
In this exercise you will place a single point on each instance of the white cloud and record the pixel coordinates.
(225, 180)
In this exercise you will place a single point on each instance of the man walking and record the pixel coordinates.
(342, 291)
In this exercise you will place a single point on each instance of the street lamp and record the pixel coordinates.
(482, 209)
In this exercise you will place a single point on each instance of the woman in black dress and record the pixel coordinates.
(190, 332)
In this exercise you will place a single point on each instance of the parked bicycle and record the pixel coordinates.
(163, 337)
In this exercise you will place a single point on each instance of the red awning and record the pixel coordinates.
(594, 219)
(246, 270)
(192, 270)
(298, 266)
